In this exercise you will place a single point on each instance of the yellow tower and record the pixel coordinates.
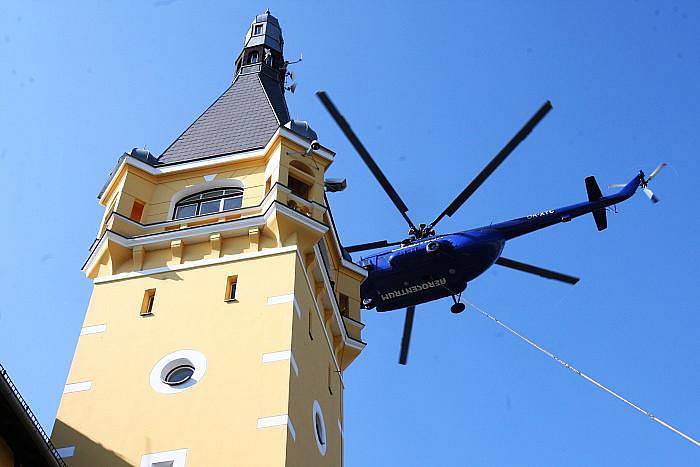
(224, 310)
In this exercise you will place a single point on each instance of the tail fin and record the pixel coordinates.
(594, 194)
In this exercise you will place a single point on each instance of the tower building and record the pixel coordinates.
(224, 309)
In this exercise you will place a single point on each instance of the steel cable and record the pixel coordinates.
(581, 374)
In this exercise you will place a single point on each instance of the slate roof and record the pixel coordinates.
(244, 117)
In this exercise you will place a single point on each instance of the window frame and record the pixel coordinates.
(198, 200)
(251, 54)
(255, 29)
(149, 298)
(181, 381)
(294, 180)
(231, 288)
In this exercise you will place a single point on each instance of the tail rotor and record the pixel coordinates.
(644, 183)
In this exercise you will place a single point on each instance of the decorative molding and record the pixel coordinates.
(278, 420)
(281, 356)
(215, 245)
(96, 329)
(138, 254)
(280, 299)
(297, 308)
(176, 249)
(77, 387)
(195, 264)
(174, 458)
(163, 239)
(210, 177)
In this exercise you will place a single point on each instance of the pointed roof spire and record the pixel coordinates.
(249, 112)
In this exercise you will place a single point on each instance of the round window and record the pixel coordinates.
(178, 371)
(320, 434)
(319, 428)
(179, 375)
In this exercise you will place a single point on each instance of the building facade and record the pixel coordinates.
(224, 309)
(23, 442)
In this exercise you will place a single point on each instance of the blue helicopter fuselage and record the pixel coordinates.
(427, 269)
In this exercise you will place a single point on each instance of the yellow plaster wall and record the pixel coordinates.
(216, 418)
(122, 418)
(314, 357)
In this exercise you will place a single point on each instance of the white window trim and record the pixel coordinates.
(317, 410)
(96, 329)
(177, 457)
(195, 358)
(77, 387)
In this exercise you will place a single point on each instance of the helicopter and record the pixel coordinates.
(425, 266)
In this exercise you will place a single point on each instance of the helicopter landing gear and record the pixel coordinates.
(458, 306)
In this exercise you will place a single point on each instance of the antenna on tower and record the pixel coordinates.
(291, 74)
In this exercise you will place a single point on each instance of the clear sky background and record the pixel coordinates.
(434, 90)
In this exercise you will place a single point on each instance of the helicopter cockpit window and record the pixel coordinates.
(209, 202)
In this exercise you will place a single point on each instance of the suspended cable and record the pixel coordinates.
(581, 374)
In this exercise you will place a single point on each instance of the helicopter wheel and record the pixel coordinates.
(457, 308)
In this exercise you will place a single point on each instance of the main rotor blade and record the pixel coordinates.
(557, 276)
(650, 194)
(656, 171)
(406, 338)
(495, 162)
(369, 246)
(364, 154)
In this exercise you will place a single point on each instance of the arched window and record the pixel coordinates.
(208, 202)
(253, 57)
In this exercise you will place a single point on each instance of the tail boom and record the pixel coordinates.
(596, 205)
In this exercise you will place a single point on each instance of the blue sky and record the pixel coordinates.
(434, 90)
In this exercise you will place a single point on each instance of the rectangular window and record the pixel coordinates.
(344, 304)
(298, 187)
(268, 184)
(137, 211)
(311, 331)
(330, 380)
(209, 207)
(147, 305)
(188, 210)
(258, 29)
(231, 283)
